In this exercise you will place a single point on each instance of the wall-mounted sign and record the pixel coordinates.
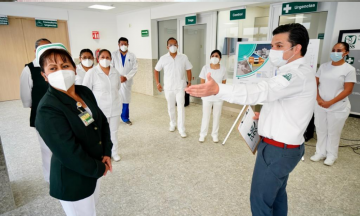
(4, 20)
(298, 7)
(95, 35)
(321, 36)
(46, 23)
(190, 20)
(144, 33)
(238, 14)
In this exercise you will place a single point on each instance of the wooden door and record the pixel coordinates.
(33, 33)
(13, 57)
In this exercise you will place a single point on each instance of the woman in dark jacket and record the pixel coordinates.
(76, 131)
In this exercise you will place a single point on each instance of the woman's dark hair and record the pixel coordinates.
(104, 50)
(86, 50)
(215, 51)
(297, 35)
(167, 43)
(123, 39)
(346, 45)
(53, 53)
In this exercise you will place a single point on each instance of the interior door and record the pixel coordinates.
(13, 57)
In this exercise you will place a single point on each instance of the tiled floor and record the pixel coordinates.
(163, 174)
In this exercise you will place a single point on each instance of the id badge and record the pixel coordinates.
(86, 118)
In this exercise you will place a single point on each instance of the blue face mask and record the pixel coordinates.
(336, 56)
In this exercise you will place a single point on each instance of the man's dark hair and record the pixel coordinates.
(215, 51)
(104, 50)
(123, 39)
(86, 50)
(297, 35)
(37, 43)
(53, 53)
(171, 39)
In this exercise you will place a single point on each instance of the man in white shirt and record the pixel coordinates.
(125, 62)
(175, 65)
(289, 100)
(32, 88)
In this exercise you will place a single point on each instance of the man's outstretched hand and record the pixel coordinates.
(203, 90)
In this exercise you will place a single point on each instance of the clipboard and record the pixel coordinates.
(248, 129)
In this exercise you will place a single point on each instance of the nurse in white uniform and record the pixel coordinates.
(104, 81)
(335, 81)
(86, 63)
(125, 62)
(218, 73)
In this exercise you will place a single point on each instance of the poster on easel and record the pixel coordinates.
(253, 65)
(248, 128)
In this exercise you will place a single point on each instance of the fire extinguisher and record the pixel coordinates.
(97, 55)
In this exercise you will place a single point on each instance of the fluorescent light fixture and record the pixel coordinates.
(101, 7)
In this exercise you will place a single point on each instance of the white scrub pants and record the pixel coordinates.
(83, 207)
(114, 126)
(45, 157)
(178, 97)
(216, 106)
(329, 125)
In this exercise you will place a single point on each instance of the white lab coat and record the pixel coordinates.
(289, 101)
(106, 89)
(80, 74)
(128, 70)
(26, 85)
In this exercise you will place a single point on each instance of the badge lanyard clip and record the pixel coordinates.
(78, 105)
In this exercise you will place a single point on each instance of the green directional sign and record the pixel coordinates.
(144, 33)
(321, 36)
(4, 20)
(46, 23)
(238, 14)
(298, 7)
(190, 20)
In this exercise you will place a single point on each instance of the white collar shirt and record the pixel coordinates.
(289, 101)
(80, 74)
(105, 89)
(174, 70)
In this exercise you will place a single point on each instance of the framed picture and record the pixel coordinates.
(352, 37)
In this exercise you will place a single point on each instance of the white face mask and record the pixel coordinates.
(62, 79)
(215, 60)
(123, 48)
(173, 49)
(87, 62)
(104, 63)
(276, 57)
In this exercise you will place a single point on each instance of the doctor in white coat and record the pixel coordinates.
(125, 62)
(104, 81)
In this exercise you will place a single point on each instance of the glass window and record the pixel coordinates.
(253, 28)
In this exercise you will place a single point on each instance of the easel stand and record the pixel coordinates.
(232, 128)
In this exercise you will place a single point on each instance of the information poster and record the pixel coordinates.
(353, 39)
(248, 129)
(253, 65)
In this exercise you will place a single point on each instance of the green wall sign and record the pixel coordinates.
(298, 7)
(4, 20)
(238, 14)
(321, 36)
(190, 20)
(144, 33)
(46, 23)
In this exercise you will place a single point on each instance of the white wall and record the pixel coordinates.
(80, 24)
(129, 25)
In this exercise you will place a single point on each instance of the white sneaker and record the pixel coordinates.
(172, 128)
(201, 139)
(215, 139)
(116, 157)
(183, 135)
(317, 157)
(329, 161)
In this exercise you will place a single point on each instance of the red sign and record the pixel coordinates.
(95, 35)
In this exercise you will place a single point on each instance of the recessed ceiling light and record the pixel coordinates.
(101, 7)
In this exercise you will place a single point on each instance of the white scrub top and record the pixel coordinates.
(80, 74)
(174, 70)
(289, 101)
(217, 74)
(331, 83)
(105, 89)
(26, 85)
